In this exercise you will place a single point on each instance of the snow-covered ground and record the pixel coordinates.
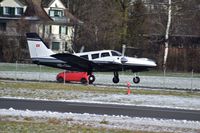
(110, 122)
(105, 121)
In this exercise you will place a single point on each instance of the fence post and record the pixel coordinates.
(192, 79)
(64, 76)
(164, 74)
(39, 73)
(16, 67)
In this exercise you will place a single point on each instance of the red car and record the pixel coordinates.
(72, 76)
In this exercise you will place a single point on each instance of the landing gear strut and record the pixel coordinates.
(116, 77)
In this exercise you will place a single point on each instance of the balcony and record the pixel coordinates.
(63, 20)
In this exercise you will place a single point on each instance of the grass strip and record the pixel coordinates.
(51, 127)
(93, 89)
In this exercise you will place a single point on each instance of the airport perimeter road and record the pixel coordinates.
(101, 109)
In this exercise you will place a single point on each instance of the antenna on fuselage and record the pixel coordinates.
(123, 58)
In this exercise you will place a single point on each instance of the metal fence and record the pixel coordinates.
(18, 71)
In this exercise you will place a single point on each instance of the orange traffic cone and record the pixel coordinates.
(129, 90)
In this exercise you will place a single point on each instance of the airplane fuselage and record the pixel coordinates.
(108, 60)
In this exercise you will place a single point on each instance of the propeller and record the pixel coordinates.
(82, 49)
(123, 49)
(123, 58)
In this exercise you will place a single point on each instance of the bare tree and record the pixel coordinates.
(102, 24)
(22, 27)
(167, 34)
(136, 26)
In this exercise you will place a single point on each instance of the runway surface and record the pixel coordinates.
(101, 109)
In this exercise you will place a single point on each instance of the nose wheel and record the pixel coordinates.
(136, 80)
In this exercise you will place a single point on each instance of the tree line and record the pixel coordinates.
(108, 24)
(141, 25)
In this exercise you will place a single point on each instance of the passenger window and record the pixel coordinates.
(94, 56)
(105, 54)
(84, 56)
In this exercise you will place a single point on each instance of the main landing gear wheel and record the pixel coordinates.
(115, 80)
(136, 80)
(91, 79)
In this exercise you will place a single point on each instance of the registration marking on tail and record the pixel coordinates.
(37, 45)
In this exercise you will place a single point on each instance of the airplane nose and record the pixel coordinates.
(154, 64)
(150, 62)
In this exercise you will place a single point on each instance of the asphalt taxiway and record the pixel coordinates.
(101, 109)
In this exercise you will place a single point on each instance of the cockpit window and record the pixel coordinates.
(105, 54)
(84, 56)
(115, 53)
(95, 56)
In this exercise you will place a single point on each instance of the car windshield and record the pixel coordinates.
(115, 53)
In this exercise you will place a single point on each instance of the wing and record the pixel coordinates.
(76, 61)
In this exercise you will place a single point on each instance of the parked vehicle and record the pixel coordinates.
(73, 76)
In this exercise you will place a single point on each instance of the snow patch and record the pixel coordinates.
(114, 122)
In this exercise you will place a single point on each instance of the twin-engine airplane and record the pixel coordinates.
(94, 61)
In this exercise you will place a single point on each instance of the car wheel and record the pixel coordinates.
(60, 80)
(83, 81)
(91, 79)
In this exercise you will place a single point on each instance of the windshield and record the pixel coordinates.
(115, 53)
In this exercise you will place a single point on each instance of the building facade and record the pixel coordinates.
(61, 32)
(49, 18)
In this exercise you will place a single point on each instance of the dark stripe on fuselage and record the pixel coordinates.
(103, 66)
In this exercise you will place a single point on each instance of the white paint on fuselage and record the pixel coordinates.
(39, 50)
(132, 61)
(140, 62)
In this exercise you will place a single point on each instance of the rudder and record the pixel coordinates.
(37, 47)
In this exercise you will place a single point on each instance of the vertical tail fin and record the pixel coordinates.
(37, 47)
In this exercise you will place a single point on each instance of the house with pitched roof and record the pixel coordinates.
(62, 29)
(10, 10)
(49, 18)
